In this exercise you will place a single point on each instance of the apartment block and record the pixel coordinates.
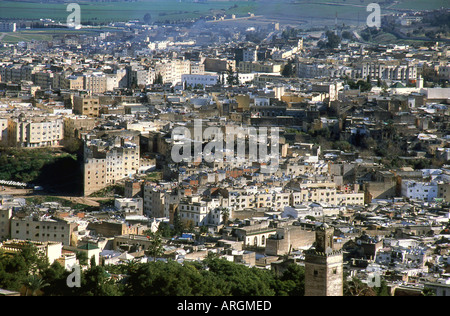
(114, 228)
(95, 83)
(199, 212)
(15, 73)
(85, 105)
(35, 132)
(110, 160)
(8, 27)
(171, 71)
(251, 66)
(5, 222)
(75, 83)
(75, 126)
(153, 201)
(3, 130)
(42, 229)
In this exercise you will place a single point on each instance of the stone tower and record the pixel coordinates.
(324, 266)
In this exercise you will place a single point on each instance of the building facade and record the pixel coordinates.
(324, 267)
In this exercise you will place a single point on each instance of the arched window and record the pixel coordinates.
(263, 240)
(256, 241)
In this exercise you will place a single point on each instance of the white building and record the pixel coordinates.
(8, 27)
(302, 211)
(128, 205)
(426, 191)
(204, 80)
(200, 212)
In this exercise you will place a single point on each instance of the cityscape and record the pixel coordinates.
(249, 149)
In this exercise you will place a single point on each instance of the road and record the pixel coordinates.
(27, 193)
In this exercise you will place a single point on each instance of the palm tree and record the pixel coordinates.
(156, 248)
(225, 215)
(34, 283)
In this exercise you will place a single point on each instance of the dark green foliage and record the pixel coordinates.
(290, 32)
(292, 282)
(60, 171)
(289, 70)
(332, 42)
(212, 277)
(15, 269)
(165, 231)
(364, 85)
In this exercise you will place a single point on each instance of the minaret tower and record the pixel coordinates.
(324, 266)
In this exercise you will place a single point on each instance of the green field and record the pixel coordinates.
(24, 37)
(160, 10)
(345, 10)
(172, 10)
(38, 35)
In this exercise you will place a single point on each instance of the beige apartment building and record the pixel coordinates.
(250, 66)
(3, 130)
(42, 229)
(85, 105)
(5, 222)
(73, 83)
(171, 71)
(153, 201)
(94, 175)
(76, 125)
(108, 161)
(35, 132)
(95, 83)
(325, 193)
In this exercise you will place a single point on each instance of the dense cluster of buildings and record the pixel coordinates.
(334, 203)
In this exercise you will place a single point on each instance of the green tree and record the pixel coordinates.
(155, 248)
(225, 215)
(147, 18)
(96, 281)
(292, 282)
(289, 70)
(232, 79)
(177, 224)
(164, 230)
(159, 79)
(243, 281)
(33, 284)
(82, 258)
(428, 292)
(56, 278)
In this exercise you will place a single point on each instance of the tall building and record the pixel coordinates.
(8, 27)
(109, 160)
(35, 132)
(95, 83)
(89, 106)
(5, 222)
(324, 266)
